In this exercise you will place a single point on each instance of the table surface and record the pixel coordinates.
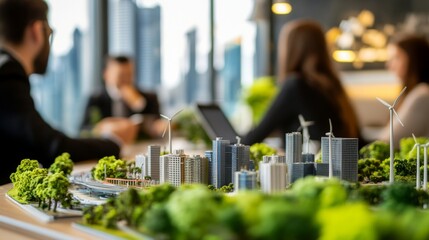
(9, 209)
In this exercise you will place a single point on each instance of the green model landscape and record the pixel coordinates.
(45, 186)
(311, 209)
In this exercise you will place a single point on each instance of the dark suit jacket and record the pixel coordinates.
(102, 104)
(23, 132)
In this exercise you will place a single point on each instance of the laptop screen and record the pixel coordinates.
(215, 122)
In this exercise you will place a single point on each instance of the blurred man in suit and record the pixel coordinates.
(120, 98)
(24, 49)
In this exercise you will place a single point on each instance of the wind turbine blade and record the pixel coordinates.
(309, 123)
(330, 126)
(176, 113)
(400, 94)
(397, 116)
(414, 147)
(301, 120)
(165, 130)
(164, 116)
(299, 129)
(383, 102)
(415, 139)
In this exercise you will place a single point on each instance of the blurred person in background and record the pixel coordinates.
(310, 86)
(24, 49)
(408, 59)
(119, 98)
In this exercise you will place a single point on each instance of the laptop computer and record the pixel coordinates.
(215, 123)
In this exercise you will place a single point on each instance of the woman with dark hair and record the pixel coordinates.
(408, 60)
(310, 86)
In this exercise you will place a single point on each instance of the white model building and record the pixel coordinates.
(163, 168)
(176, 168)
(245, 180)
(344, 153)
(141, 162)
(293, 151)
(273, 175)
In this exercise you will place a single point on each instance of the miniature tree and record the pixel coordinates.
(62, 163)
(28, 183)
(109, 167)
(57, 188)
(25, 165)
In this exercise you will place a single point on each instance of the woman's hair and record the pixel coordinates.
(417, 49)
(302, 50)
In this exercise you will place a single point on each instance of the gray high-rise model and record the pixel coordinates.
(240, 158)
(209, 156)
(293, 151)
(221, 167)
(344, 157)
(153, 155)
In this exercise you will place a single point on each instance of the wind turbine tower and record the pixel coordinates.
(304, 126)
(169, 119)
(392, 111)
(330, 135)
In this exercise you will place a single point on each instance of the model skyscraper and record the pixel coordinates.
(245, 180)
(344, 153)
(273, 175)
(240, 158)
(221, 167)
(293, 151)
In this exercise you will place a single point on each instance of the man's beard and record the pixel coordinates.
(41, 61)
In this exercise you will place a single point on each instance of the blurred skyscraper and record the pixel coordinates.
(136, 32)
(191, 83)
(149, 48)
(231, 76)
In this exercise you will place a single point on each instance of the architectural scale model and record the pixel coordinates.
(342, 156)
(391, 112)
(273, 174)
(293, 151)
(240, 157)
(245, 180)
(226, 160)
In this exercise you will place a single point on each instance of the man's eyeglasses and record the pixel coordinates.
(50, 32)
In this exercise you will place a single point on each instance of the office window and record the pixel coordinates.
(60, 94)
(170, 41)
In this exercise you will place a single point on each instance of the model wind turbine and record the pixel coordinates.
(330, 135)
(417, 145)
(304, 125)
(169, 119)
(392, 111)
(425, 170)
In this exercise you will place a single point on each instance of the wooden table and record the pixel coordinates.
(11, 211)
